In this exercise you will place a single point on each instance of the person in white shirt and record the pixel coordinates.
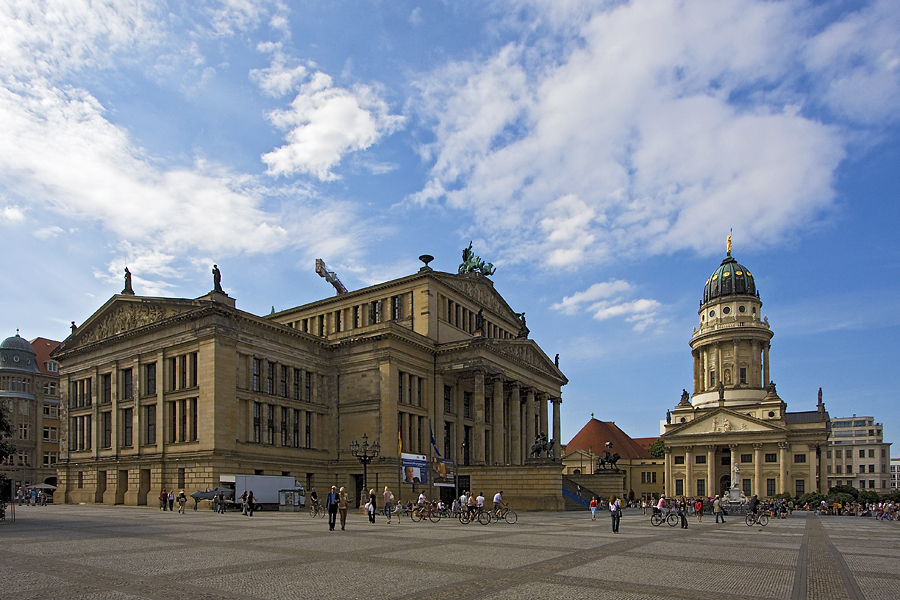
(422, 498)
(498, 502)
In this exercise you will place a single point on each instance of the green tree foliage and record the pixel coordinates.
(6, 449)
(657, 449)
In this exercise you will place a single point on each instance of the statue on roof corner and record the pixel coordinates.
(473, 264)
(217, 279)
(128, 289)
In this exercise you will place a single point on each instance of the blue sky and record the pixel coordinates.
(597, 152)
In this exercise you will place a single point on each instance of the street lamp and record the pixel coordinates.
(364, 454)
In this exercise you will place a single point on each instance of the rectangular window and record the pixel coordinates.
(800, 487)
(50, 459)
(400, 387)
(127, 384)
(871, 468)
(653, 477)
(270, 378)
(183, 371)
(770, 487)
(700, 459)
(448, 399)
(679, 487)
(127, 427)
(679, 460)
(828, 454)
(257, 434)
(51, 388)
(871, 453)
(746, 458)
(284, 426)
(862, 453)
(194, 417)
(296, 443)
(712, 379)
(726, 460)
(862, 484)
(337, 321)
(270, 424)
(745, 487)
(150, 384)
(743, 375)
(283, 389)
(23, 431)
(771, 458)
(701, 487)
(839, 453)
(375, 312)
(150, 424)
(357, 323)
(871, 483)
(51, 411)
(395, 308)
(296, 390)
(256, 384)
(799, 458)
(307, 431)
(829, 469)
(51, 434)
(106, 384)
(107, 429)
(467, 405)
(862, 468)
(308, 392)
(839, 469)
(185, 434)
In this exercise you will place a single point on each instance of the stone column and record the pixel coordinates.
(688, 470)
(734, 459)
(437, 418)
(515, 425)
(497, 429)
(813, 464)
(545, 417)
(668, 485)
(782, 467)
(388, 391)
(478, 442)
(704, 366)
(698, 368)
(529, 419)
(757, 469)
(557, 427)
(460, 425)
(719, 369)
(711, 485)
(735, 369)
(765, 364)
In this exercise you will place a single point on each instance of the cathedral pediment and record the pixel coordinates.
(125, 313)
(724, 421)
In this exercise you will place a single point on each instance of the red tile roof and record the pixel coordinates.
(42, 349)
(595, 434)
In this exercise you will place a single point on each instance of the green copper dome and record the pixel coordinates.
(730, 279)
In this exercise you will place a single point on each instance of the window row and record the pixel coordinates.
(182, 374)
(648, 476)
(17, 459)
(411, 389)
(862, 469)
(15, 383)
(354, 317)
(181, 426)
(863, 453)
(281, 380)
(414, 433)
(290, 427)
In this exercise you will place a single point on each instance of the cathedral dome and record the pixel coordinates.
(730, 279)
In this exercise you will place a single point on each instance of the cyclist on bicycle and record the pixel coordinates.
(754, 504)
(498, 503)
(314, 497)
(479, 502)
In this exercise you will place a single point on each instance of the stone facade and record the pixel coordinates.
(735, 418)
(173, 393)
(857, 455)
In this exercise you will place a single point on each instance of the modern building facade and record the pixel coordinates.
(734, 421)
(29, 393)
(857, 455)
(173, 393)
(895, 474)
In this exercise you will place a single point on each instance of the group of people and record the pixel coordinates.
(32, 497)
(168, 499)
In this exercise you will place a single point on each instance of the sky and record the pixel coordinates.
(598, 153)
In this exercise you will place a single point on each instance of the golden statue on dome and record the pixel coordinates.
(728, 243)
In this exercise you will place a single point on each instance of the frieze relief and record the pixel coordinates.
(525, 354)
(128, 317)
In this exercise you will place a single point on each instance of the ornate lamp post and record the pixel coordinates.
(364, 454)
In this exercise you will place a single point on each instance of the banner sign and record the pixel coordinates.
(415, 468)
(443, 472)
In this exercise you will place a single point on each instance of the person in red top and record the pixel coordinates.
(593, 508)
(698, 509)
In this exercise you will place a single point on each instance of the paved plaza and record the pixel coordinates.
(118, 553)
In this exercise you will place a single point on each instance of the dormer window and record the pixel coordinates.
(52, 366)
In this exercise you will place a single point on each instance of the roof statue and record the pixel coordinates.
(728, 244)
(473, 264)
(128, 289)
(217, 279)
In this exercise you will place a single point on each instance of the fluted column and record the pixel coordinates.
(688, 470)
(782, 467)
(765, 364)
(757, 469)
(543, 400)
(478, 442)
(529, 418)
(515, 425)
(557, 428)
(668, 486)
(497, 423)
(711, 489)
(813, 463)
(437, 418)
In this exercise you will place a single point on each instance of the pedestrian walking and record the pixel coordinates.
(332, 502)
(682, 512)
(388, 503)
(372, 505)
(717, 508)
(615, 512)
(251, 502)
(698, 509)
(593, 508)
(172, 501)
(163, 500)
(343, 506)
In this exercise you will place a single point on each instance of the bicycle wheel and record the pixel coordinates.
(416, 516)
(672, 520)
(434, 517)
(484, 518)
(313, 512)
(510, 517)
(750, 520)
(656, 519)
(763, 520)
(464, 517)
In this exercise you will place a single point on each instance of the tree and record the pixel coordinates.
(657, 449)
(6, 449)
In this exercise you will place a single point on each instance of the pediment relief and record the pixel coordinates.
(482, 292)
(528, 354)
(125, 316)
(725, 422)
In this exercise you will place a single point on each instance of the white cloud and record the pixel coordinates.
(45, 233)
(281, 76)
(652, 127)
(324, 123)
(13, 214)
(415, 17)
(608, 300)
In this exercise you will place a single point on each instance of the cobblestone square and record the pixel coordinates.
(99, 553)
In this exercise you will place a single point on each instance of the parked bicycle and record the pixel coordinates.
(756, 519)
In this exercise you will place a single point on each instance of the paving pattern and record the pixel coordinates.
(125, 553)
